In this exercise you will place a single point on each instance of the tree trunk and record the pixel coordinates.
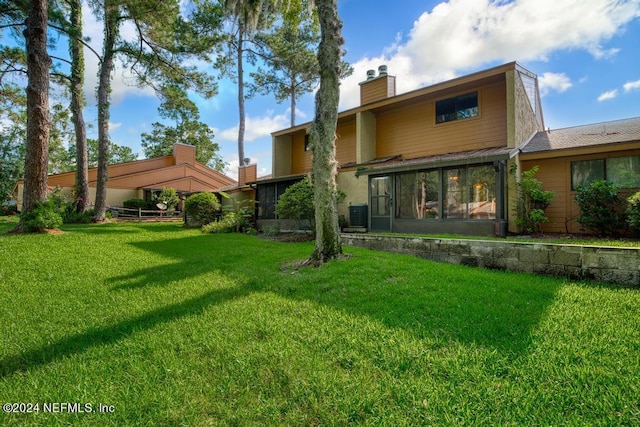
(104, 88)
(323, 134)
(77, 102)
(37, 150)
(293, 102)
(241, 113)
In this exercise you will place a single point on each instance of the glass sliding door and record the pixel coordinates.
(381, 201)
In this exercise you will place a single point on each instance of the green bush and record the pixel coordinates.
(601, 207)
(168, 196)
(228, 224)
(633, 210)
(135, 203)
(7, 210)
(43, 216)
(533, 200)
(297, 203)
(72, 216)
(201, 208)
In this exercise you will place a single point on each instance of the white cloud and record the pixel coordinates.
(608, 95)
(629, 86)
(459, 35)
(558, 82)
(256, 127)
(114, 126)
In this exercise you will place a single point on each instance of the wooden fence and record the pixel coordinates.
(139, 214)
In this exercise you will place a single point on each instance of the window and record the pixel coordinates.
(418, 195)
(622, 171)
(306, 143)
(456, 193)
(482, 192)
(584, 172)
(457, 108)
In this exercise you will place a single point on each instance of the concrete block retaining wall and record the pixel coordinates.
(603, 264)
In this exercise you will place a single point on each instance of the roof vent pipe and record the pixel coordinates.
(382, 70)
(371, 74)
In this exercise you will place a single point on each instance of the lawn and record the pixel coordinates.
(166, 326)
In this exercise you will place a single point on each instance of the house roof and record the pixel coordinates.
(613, 132)
(439, 89)
(441, 160)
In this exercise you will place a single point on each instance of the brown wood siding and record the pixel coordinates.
(411, 131)
(345, 147)
(346, 142)
(300, 159)
(555, 175)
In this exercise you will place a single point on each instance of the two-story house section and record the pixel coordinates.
(436, 159)
(432, 160)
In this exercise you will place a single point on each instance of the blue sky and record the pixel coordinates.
(585, 53)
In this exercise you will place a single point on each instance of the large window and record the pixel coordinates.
(456, 193)
(457, 108)
(418, 195)
(622, 171)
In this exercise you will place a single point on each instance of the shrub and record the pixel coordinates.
(297, 203)
(601, 207)
(8, 209)
(168, 196)
(228, 224)
(135, 203)
(72, 216)
(633, 210)
(201, 208)
(242, 211)
(533, 201)
(43, 216)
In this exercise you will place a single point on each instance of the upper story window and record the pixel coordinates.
(622, 171)
(457, 108)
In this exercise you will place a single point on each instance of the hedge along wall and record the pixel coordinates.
(603, 264)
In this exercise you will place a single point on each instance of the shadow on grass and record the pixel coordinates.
(448, 303)
(441, 301)
(79, 343)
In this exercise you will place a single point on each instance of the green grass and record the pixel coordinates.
(174, 327)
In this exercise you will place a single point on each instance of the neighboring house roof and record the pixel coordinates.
(180, 171)
(614, 132)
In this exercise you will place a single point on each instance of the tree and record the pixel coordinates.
(322, 134)
(187, 130)
(163, 42)
(38, 63)
(289, 55)
(117, 154)
(248, 16)
(13, 115)
(77, 102)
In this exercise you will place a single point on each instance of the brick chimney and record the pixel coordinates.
(247, 173)
(184, 153)
(377, 88)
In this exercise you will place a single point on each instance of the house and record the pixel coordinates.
(140, 178)
(578, 155)
(445, 158)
